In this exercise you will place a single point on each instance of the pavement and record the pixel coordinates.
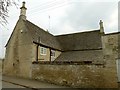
(27, 83)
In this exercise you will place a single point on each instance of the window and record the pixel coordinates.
(43, 51)
(53, 53)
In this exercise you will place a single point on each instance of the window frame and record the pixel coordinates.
(43, 51)
(53, 53)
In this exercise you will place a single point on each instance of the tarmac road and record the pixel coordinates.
(16, 82)
(10, 85)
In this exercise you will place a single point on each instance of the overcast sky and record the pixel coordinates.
(66, 16)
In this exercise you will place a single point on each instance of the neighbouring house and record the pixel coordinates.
(85, 59)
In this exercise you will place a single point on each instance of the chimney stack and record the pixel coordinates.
(101, 27)
(23, 11)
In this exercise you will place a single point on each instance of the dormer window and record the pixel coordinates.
(43, 51)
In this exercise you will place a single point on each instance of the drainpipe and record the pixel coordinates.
(37, 53)
(50, 54)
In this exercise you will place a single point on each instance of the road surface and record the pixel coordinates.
(16, 82)
(10, 85)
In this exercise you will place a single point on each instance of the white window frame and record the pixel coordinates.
(44, 52)
(53, 53)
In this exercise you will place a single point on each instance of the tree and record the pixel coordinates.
(4, 5)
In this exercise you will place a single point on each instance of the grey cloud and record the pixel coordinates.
(87, 15)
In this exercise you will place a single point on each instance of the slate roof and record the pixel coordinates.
(81, 41)
(91, 55)
(41, 36)
(76, 41)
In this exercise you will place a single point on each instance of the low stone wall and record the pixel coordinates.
(82, 76)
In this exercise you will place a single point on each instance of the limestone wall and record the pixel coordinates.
(82, 76)
(19, 53)
(111, 45)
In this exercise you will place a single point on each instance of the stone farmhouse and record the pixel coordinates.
(85, 60)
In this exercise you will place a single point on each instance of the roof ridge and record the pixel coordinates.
(113, 33)
(78, 32)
